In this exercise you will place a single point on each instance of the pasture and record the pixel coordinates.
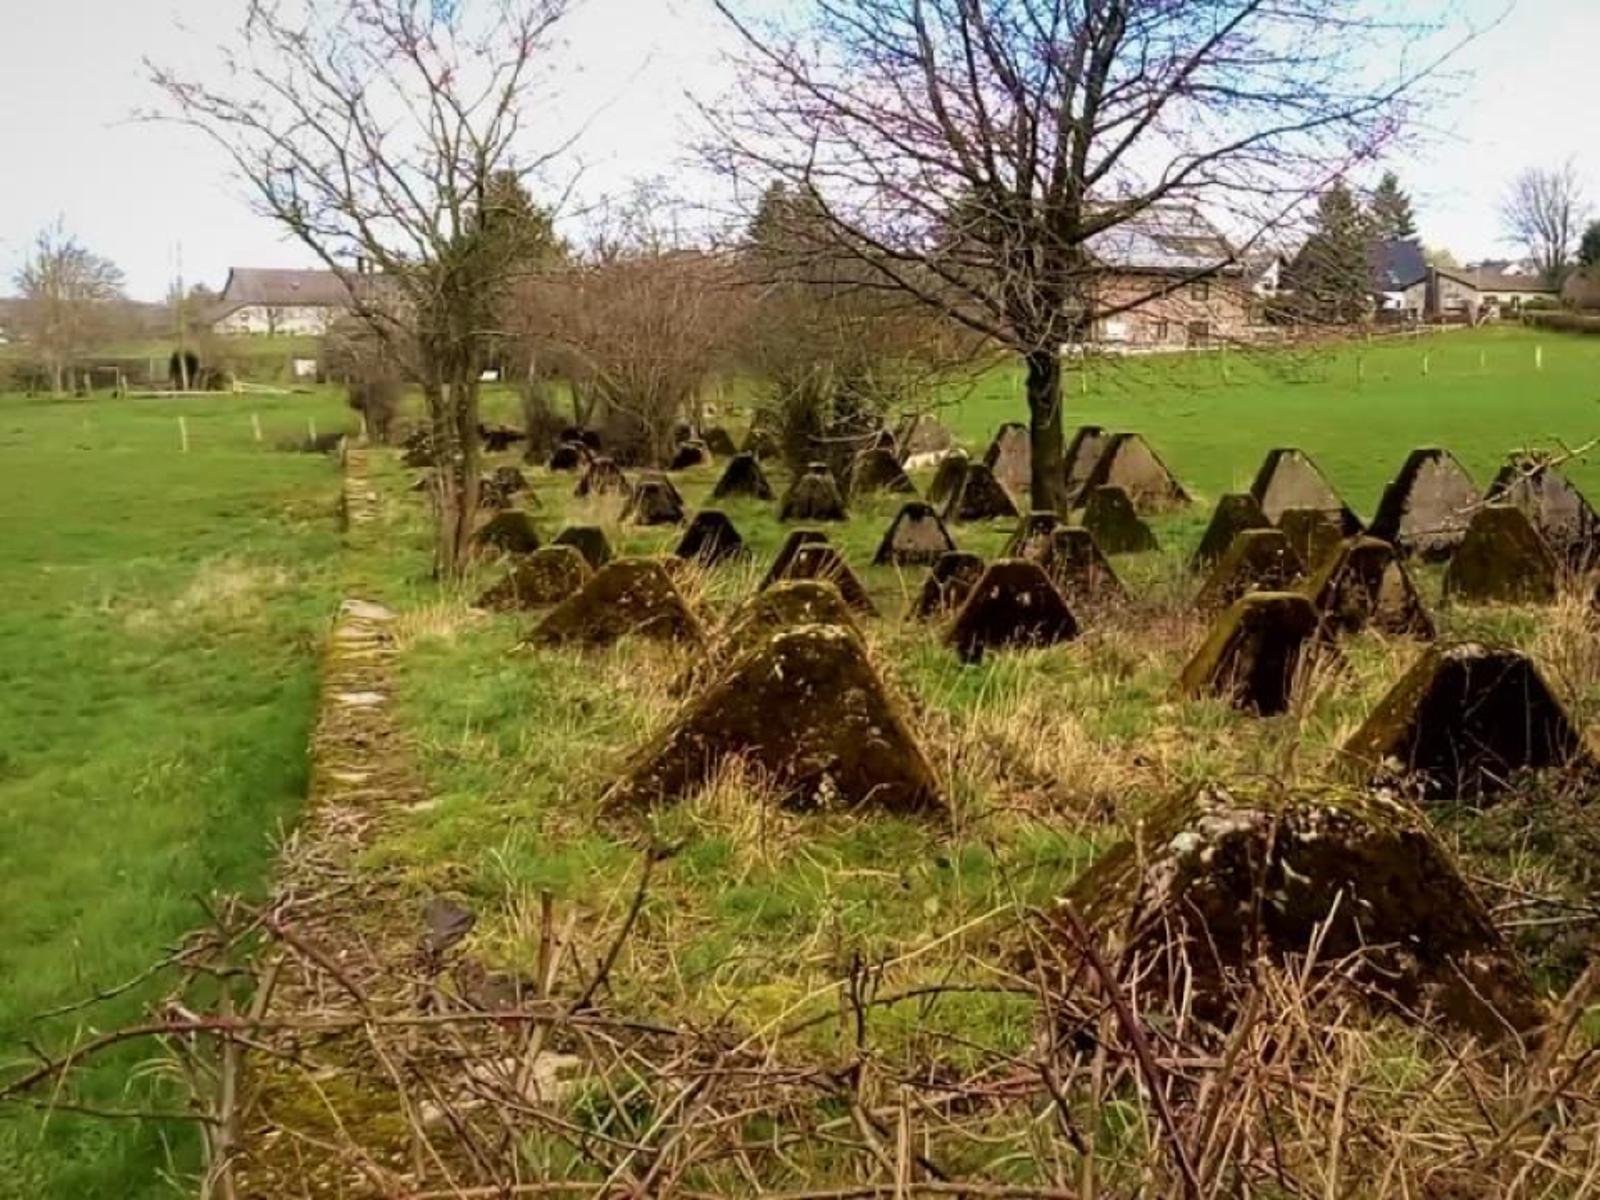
(1356, 409)
(163, 619)
(163, 649)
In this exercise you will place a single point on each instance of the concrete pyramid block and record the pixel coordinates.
(689, 454)
(510, 531)
(1127, 461)
(786, 552)
(1426, 508)
(1010, 458)
(1013, 604)
(568, 456)
(1080, 571)
(718, 441)
(1464, 721)
(916, 537)
(1235, 513)
(820, 560)
(743, 476)
(1364, 585)
(1032, 536)
(547, 576)
(1109, 515)
(628, 597)
(808, 709)
(978, 497)
(1288, 478)
(1314, 533)
(589, 540)
(1254, 653)
(711, 539)
(1084, 450)
(814, 496)
(947, 477)
(1558, 510)
(1258, 560)
(947, 586)
(762, 443)
(878, 470)
(602, 477)
(654, 502)
(1503, 559)
(1328, 880)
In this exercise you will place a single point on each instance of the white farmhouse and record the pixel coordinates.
(271, 301)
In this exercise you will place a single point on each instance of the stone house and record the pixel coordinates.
(1509, 286)
(1405, 287)
(272, 301)
(1166, 280)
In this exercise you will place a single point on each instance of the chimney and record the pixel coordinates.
(361, 264)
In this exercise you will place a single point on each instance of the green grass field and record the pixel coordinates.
(159, 636)
(159, 644)
(1357, 409)
(1049, 754)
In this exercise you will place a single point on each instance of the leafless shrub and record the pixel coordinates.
(637, 325)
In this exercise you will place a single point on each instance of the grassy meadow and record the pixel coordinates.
(1049, 755)
(159, 639)
(1356, 409)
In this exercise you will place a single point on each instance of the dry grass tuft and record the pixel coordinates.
(444, 619)
(222, 589)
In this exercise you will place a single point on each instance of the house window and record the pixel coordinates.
(1162, 331)
(1202, 292)
(1199, 332)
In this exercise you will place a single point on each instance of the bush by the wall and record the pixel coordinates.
(1563, 322)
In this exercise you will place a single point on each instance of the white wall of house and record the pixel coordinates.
(1510, 299)
(291, 320)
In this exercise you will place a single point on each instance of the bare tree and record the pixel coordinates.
(69, 297)
(1544, 212)
(839, 358)
(978, 155)
(637, 325)
(388, 134)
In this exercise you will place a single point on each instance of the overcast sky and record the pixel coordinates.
(138, 192)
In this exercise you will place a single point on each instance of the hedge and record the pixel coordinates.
(1564, 322)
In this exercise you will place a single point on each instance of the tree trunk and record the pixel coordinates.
(464, 412)
(446, 489)
(1048, 478)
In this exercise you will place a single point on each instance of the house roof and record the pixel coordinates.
(272, 287)
(1393, 266)
(1582, 288)
(1493, 277)
(1174, 238)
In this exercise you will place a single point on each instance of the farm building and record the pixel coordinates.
(1175, 280)
(275, 301)
(1510, 285)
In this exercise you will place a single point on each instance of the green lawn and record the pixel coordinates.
(163, 612)
(162, 617)
(1357, 410)
(1048, 755)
